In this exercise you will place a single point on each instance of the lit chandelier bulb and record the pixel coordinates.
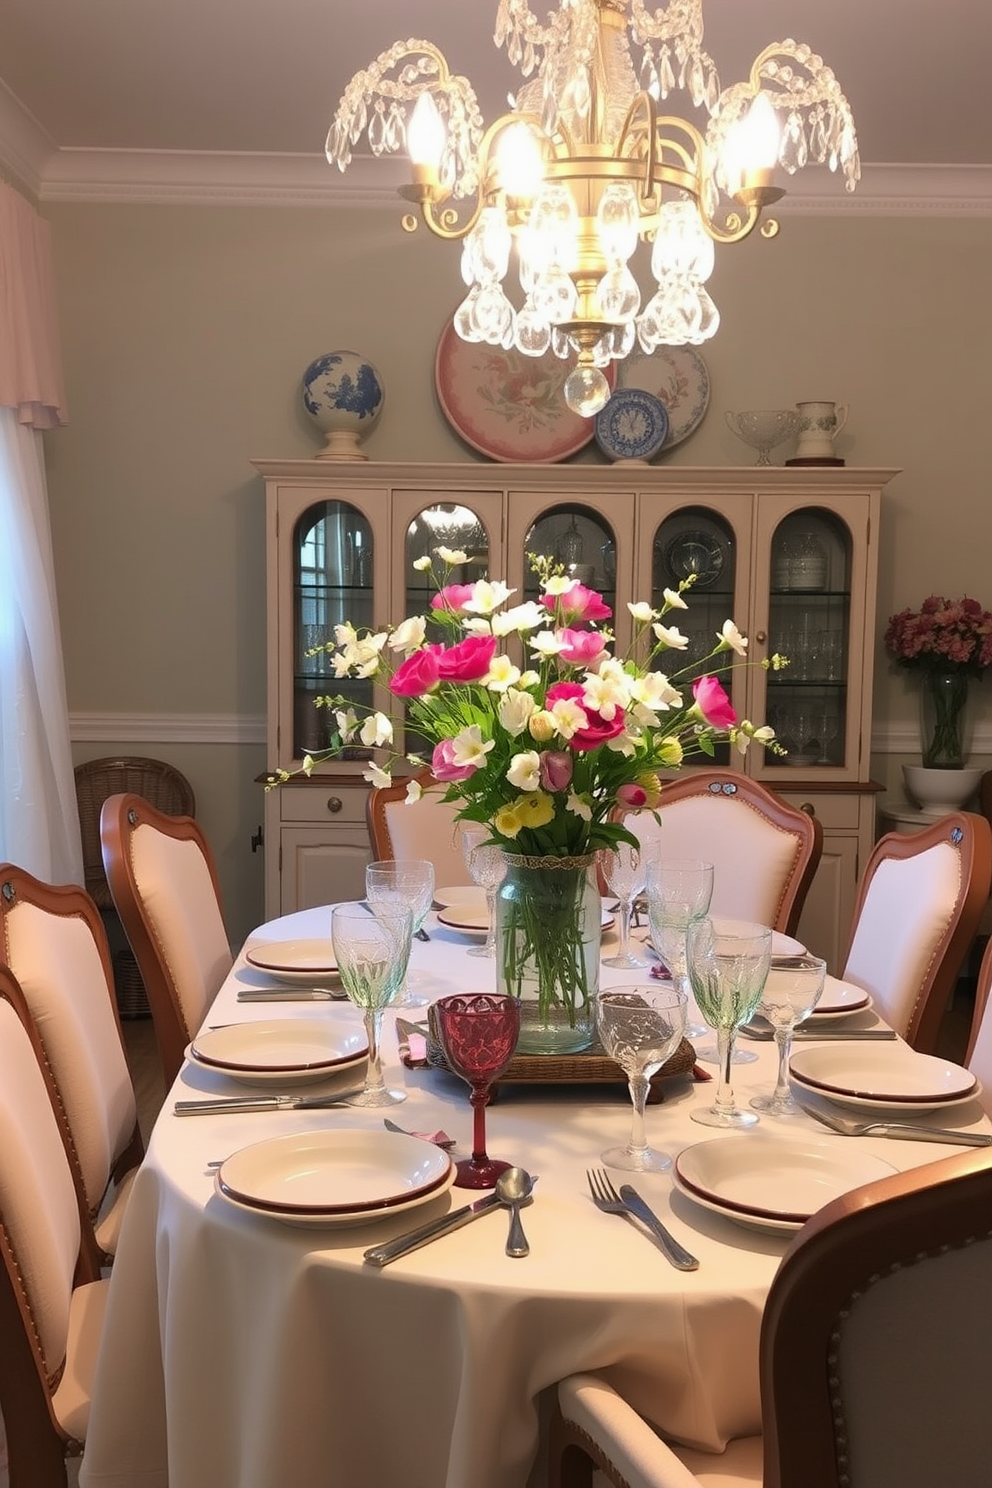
(586, 391)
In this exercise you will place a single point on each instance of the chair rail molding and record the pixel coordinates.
(167, 728)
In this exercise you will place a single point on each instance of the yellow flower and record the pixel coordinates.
(535, 810)
(507, 822)
(671, 753)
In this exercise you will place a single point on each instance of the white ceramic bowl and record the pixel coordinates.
(940, 791)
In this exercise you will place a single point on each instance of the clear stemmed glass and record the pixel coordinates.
(372, 948)
(478, 1032)
(728, 962)
(790, 994)
(409, 884)
(678, 890)
(487, 868)
(640, 1027)
(623, 868)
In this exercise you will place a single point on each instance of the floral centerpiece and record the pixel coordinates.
(947, 642)
(541, 731)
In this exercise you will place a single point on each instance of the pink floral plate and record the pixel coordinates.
(508, 406)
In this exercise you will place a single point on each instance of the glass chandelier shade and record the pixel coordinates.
(584, 169)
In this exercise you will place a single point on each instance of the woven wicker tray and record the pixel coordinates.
(593, 1066)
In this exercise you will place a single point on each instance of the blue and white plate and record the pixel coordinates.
(633, 425)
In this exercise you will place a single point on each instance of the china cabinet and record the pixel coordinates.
(790, 554)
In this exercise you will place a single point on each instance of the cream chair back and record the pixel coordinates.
(54, 943)
(425, 828)
(978, 1057)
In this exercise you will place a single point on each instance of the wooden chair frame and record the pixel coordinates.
(972, 835)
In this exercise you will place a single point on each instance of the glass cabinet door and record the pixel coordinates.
(333, 569)
(809, 621)
(582, 541)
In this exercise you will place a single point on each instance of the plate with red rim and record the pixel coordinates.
(895, 1078)
(335, 1177)
(286, 1051)
(295, 962)
(473, 919)
(773, 1183)
(839, 1000)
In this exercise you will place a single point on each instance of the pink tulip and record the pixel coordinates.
(580, 647)
(632, 795)
(453, 597)
(596, 729)
(418, 674)
(443, 766)
(468, 661)
(556, 770)
(577, 604)
(713, 703)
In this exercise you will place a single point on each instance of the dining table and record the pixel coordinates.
(244, 1351)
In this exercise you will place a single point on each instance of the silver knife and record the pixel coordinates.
(928, 1134)
(290, 994)
(258, 1103)
(675, 1252)
(814, 1035)
(381, 1255)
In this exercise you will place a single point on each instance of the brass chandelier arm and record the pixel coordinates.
(428, 193)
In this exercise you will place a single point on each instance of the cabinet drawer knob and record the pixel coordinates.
(809, 808)
(761, 637)
(334, 804)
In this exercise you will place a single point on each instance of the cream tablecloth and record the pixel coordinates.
(242, 1353)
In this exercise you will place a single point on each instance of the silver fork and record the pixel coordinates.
(846, 1127)
(605, 1197)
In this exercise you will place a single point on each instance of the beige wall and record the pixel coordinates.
(185, 332)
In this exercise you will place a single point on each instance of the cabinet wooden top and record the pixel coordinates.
(574, 479)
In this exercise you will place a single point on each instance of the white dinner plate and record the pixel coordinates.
(895, 1077)
(786, 945)
(340, 1177)
(773, 1183)
(289, 1051)
(474, 919)
(296, 962)
(460, 895)
(839, 1000)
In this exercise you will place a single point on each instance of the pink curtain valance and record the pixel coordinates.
(30, 355)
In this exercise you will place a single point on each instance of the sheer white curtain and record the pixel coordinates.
(39, 824)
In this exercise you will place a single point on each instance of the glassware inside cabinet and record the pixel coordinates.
(582, 542)
(333, 557)
(809, 623)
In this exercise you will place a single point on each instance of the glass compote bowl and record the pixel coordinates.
(478, 1032)
(790, 994)
(487, 868)
(406, 883)
(372, 949)
(678, 890)
(728, 962)
(765, 428)
(640, 1027)
(623, 869)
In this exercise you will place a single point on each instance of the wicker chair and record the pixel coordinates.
(167, 789)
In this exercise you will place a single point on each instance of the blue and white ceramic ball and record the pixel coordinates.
(343, 393)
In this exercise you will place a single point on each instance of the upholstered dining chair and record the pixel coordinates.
(873, 1356)
(53, 941)
(764, 852)
(52, 1299)
(919, 905)
(163, 877)
(421, 829)
(978, 1053)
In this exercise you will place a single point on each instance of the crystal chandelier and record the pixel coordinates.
(585, 166)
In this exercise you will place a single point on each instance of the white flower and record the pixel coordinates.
(642, 611)
(346, 634)
(543, 725)
(487, 597)
(525, 771)
(671, 636)
(674, 600)
(529, 678)
(376, 730)
(469, 747)
(579, 807)
(558, 584)
(605, 693)
(414, 791)
(454, 557)
(732, 640)
(653, 690)
(375, 775)
(308, 764)
(515, 711)
(521, 617)
(422, 564)
(763, 735)
(478, 626)
(347, 723)
(545, 644)
(624, 744)
(501, 674)
(409, 634)
(568, 717)
(341, 661)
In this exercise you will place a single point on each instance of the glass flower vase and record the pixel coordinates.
(943, 715)
(548, 931)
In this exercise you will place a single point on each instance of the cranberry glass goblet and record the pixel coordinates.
(478, 1031)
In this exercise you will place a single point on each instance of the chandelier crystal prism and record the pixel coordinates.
(587, 165)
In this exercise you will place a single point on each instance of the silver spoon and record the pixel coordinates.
(514, 1188)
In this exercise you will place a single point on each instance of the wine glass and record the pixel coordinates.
(640, 1027)
(678, 890)
(623, 868)
(406, 883)
(728, 962)
(372, 948)
(478, 1032)
(790, 994)
(487, 868)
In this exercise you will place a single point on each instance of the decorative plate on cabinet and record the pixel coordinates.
(699, 554)
(676, 375)
(508, 406)
(632, 426)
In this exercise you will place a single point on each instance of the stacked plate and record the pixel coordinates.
(838, 1001)
(772, 1183)
(890, 1078)
(296, 962)
(473, 918)
(291, 1051)
(332, 1178)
